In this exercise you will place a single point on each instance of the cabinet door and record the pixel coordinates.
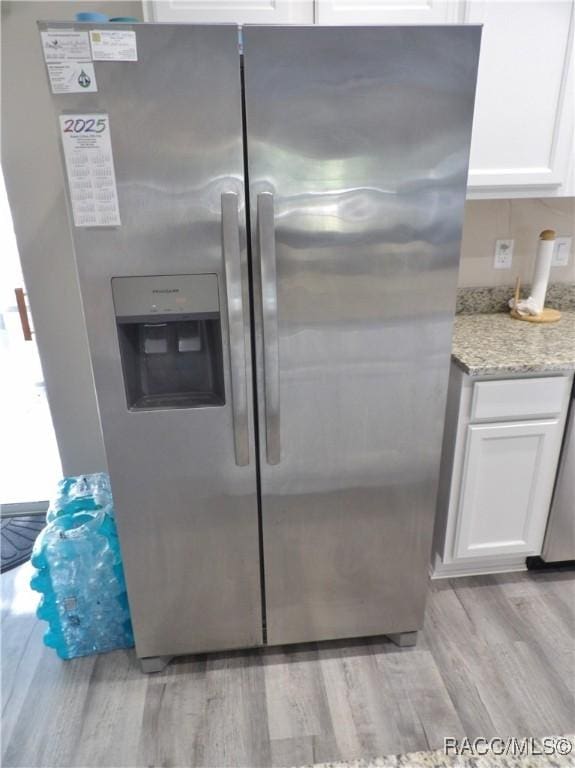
(239, 11)
(506, 489)
(387, 11)
(523, 127)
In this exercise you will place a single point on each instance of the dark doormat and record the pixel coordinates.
(18, 535)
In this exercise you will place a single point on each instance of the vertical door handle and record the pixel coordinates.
(267, 247)
(236, 328)
(23, 312)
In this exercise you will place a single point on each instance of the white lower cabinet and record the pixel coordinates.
(499, 461)
(506, 488)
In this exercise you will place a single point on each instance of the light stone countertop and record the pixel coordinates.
(496, 344)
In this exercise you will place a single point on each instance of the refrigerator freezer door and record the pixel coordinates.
(358, 143)
(183, 478)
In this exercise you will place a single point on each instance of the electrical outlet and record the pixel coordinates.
(562, 252)
(503, 254)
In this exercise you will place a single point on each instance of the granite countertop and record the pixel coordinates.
(495, 343)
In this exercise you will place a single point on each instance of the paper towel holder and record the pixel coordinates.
(541, 276)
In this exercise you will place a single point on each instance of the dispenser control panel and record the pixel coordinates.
(165, 295)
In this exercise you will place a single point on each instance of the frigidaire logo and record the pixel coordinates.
(165, 290)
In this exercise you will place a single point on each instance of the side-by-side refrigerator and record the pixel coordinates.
(267, 232)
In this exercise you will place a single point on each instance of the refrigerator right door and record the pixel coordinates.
(358, 144)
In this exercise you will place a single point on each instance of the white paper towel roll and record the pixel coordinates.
(542, 268)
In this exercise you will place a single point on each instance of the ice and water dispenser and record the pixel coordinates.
(170, 340)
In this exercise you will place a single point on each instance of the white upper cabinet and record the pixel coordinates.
(239, 11)
(523, 127)
(522, 143)
(387, 11)
(523, 131)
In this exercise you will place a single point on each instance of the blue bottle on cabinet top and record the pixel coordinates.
(92, 16)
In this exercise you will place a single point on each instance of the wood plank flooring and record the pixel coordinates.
(496, 658)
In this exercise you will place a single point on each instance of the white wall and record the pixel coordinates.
(35, 186)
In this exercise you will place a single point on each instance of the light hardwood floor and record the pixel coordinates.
(496, 658)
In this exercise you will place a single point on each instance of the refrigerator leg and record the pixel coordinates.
(403, 639)
(155, 663)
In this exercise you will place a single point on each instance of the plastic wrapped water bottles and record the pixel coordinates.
(79, 571)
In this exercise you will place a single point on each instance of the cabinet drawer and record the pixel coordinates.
(518, 398)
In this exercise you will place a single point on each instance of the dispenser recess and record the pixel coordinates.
(169, 332)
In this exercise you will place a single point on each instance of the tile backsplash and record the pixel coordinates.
(521, 219)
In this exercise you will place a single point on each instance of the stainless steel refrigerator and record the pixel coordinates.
(270, 323)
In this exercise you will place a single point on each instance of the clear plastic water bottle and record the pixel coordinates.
(81, 493)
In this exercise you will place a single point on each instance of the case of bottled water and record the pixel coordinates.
(79, 571)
